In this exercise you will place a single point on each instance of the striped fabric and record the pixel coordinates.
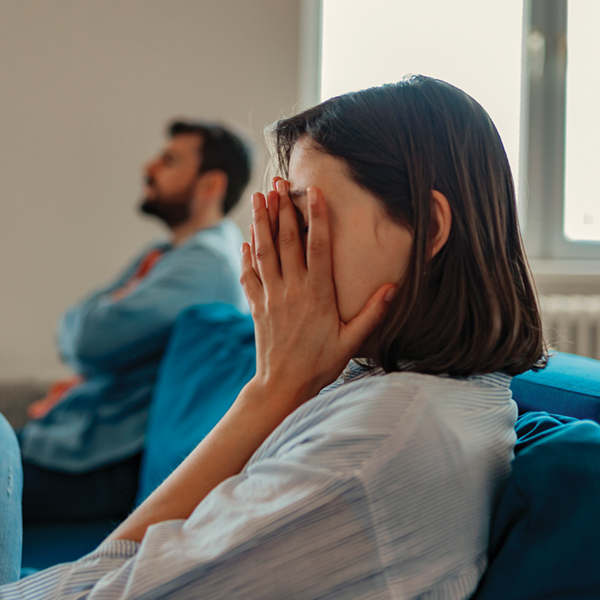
(379, 488)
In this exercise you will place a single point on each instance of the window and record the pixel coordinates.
(511, 56)
(380, 41)
(582, 196)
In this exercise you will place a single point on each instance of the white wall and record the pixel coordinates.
(86, 89)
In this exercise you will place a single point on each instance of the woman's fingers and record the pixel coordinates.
(253, 252)
(291, 252)
(264, 249)
(248, 277)
(318, 247)
(273, 210)
(359, 328)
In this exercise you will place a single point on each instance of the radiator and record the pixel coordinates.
(572, 323)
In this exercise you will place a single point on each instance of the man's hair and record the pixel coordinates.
(472, 308)
(223, 150)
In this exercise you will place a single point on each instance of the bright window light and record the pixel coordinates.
(472, 44)
(582, 200)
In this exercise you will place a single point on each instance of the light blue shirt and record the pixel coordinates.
(379, 488)
(117, 345)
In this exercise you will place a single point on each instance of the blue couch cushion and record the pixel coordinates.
(545, 535)
(209, 358)
(46, 545)
(569, 385)
(535, 426)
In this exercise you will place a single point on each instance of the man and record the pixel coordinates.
(81, 450)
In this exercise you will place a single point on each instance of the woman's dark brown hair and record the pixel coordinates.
(472, 308)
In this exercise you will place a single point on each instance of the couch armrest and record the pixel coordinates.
(569, 386)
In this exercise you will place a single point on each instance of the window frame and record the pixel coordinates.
(543, 135)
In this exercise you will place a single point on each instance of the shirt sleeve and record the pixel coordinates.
(72, 580)
(126, 273)
(354, 487)
(280, 527)
(102, 333)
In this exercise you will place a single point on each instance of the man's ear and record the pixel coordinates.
(441, 221)
(212, 185)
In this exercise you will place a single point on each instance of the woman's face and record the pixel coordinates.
(368, 248)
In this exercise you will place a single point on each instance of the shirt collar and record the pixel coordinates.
(355, 371)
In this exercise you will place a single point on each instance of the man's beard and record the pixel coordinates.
(173, 211)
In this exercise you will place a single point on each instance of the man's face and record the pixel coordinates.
(170, 180)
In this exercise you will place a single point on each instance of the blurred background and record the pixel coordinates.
(86, 89)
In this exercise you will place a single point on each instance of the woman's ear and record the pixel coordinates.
(441, 221)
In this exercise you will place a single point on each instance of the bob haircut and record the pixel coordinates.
(472, 308)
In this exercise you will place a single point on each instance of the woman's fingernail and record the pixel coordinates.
(390, 294)
(311, 196)
(255, 201)
(281, 187)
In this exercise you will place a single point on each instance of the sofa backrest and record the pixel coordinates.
(545, 533)
(569, 385)
(209, 358)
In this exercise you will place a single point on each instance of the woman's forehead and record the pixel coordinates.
(308, 161)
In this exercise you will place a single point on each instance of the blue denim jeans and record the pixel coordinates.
(11, 488)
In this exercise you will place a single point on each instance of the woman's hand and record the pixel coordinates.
(302, 344)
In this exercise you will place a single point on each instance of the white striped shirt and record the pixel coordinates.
(380, 488)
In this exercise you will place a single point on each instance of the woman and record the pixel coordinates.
(392, 239)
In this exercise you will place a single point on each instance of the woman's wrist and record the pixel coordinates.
(277, 395)
(259, 409)
(267, 399)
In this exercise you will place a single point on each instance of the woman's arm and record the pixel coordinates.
(301, 346)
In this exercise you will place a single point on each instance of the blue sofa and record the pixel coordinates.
(545, 534)
(209, 358)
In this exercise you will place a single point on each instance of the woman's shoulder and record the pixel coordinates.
(367, 391)
(396, 409)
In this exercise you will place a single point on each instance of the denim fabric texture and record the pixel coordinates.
(11, 487)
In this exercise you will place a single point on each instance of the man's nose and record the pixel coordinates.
(149, 167)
